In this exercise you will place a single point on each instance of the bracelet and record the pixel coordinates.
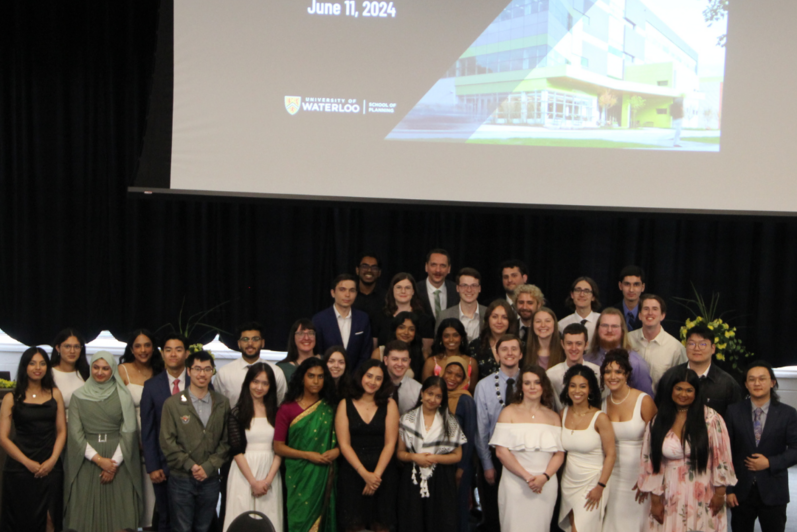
(601, 484)
(546, 475)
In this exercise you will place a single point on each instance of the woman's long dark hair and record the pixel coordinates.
(385, 390)
(296, 386)
(155, 361)
(82, 364)
(390, 299)
(293, 351)
(580, 370)
(344, 381)
(416, 346)
(454, 323)
(694, 431)
(547, 398)
(484, 336)
(443, 408)
(246, 406)
(22, 374)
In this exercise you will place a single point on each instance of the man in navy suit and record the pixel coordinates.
(156, 390)
(436, 292)
(763, 435)
(343, 325)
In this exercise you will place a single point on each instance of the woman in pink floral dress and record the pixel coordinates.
(686, 461)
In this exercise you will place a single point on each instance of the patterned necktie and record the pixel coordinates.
(175, 388)
(437, 308)
(757, 428)
(510, 388)
(630, 320)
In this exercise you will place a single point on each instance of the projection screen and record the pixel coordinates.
(624, 104)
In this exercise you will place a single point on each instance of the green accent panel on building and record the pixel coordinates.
(648, 117)
(504, 46)
(650, 74)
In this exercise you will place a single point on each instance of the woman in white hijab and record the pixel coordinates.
(103, 476)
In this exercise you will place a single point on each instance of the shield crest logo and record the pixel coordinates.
(185, 419)
(292, 104)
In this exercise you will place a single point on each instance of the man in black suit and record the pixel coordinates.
(173, 380)
(763, 436)
(632, 285)
(343, 325)
(436, 292)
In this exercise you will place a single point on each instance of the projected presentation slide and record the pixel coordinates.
(574, 103)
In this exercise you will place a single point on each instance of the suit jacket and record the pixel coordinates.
(327, 334)
(452, 296)
(778, 443)
(453, 312)
(637, 321)
(156, 391)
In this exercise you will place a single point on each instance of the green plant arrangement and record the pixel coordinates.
(7, 384)
(730, 349)
(190, 325)
(196, 348)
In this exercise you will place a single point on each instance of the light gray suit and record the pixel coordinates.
(453, 312)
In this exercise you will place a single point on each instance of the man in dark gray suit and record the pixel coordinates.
(436, 292)
(763, 436)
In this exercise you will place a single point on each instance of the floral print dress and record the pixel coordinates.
(686, 494)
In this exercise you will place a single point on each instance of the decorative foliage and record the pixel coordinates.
(192, 322)
(196, 348)
(7, 384)
(729, 347)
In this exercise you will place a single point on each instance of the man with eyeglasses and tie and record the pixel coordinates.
(437, 293)
(612, 334)
(370, 297)
(717, 388)
(468, 311)
(527, 299)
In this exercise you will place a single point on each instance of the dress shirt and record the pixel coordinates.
(408, 393)
(230, 378)
(344, 324)
(718, 389)
(430, 289)
(661, 353)
(591, 323)
(202, 406)
(640, 373)
(488, 408)
(473, 326)
(180, 385)
(556, 375)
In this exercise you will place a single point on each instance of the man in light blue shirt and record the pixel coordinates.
(492, 393)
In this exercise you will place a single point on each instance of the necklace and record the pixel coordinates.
(681, 409)
(573, 431)
(624, 398)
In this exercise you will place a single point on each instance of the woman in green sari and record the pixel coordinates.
(103, 475)
(304, 436)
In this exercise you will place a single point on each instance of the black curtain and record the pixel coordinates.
(76, 250)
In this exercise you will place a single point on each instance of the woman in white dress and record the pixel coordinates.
(140, 362)
(70, 366)
(629, 410)
(254, 482)
(528, 441)
(588, 438)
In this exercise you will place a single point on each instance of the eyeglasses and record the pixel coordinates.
(701, 345)
(585, 291)
(762, 380)
(207, 369)
(308, 334)
(469, 286)
(246, 339)
(368, 267)
(612, 327)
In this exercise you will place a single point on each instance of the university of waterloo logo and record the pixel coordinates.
(292, 104)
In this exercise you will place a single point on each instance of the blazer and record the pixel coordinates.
(452, 296)
(778, 443)
(453, 312)
(156, 391)
(327, 334)
(637, 321)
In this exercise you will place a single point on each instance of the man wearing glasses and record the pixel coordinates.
(469, 311)
(194, 439)
(717, 388)
(231, 376)
(370, 297)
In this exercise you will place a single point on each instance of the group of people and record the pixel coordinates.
(399, 410)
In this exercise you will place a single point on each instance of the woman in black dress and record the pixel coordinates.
(367, 428)
(33, 477)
